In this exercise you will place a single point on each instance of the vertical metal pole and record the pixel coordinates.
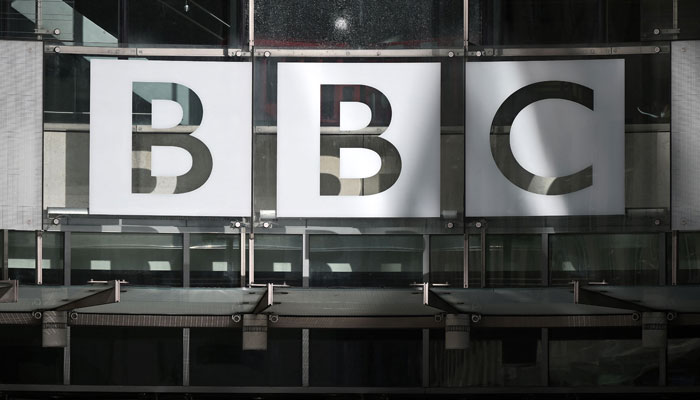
(466, 24)
(426, 358)
(426, 258)
(484, 250)
(186, 259)
(251, 25)
(251, 257)
(185, 356)
(305, 357)
(662, 258)
(67, 259)
(675, 18)
(305, 265)
(5, 256)
(544, 342)
(545, 259)
(674, 258)
(66, 358)
(39, 18)
(39, 257)
(465, 262)
(243, 263)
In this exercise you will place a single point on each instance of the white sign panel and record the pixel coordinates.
(380, 159)
(191, 157)
(545, 138)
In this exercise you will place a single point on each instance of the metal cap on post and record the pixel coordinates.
(457, 331)
(654, 329)
(54, 332)
(254, 332)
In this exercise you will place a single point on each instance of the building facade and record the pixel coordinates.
(275, 197)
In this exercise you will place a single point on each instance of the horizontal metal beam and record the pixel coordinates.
(266, 300)
(9, 291)
(145, 51)
(569, 51)
(344, 53)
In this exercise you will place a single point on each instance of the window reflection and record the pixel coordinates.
(21, 257)
(365, 260)
(618, 259)
(215, 260)
(514, 260)
(278, 259)
(140, 259)
(689, 258)
(447, 260)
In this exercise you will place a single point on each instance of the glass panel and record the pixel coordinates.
(215, 260)
(624, 259)
(688, 17)
(689, 257)
(495, 357)
(352, 24)
(683, 356)
(447, 260)
(601, 356)
(355, 357)
(514, 260)
(194, 23)
(126, 356)
(371, 260)
(21, 258)
(216, 359)
(17, 19)
(140, 259)
(25, 361)
(278, 259)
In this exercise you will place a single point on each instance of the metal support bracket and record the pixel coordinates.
(9, 291)
(595, 298)
(267, 299)
(105, 296)
(431, 299)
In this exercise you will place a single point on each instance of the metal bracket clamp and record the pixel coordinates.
(431, 299)
(267, 300)
(595, 298)
(9, 291)
(112, 294)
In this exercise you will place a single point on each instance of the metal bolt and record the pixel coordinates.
(236, 318)
(238, 54)
(55, 221)
(73, 315)
(657, 31)
(56, 31)
(476, 318)
(657, 49)
(450, 225)
(657, 222)
(478, 54)
(451, 54)
(274, 318)
(56, 49)
(266, 224)
(237, 224)
(478, 224)
(266, 54)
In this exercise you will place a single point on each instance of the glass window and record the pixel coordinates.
(192, 23)
(352, 24)
(688, 257)
(21, 258)
(278, 259)
(25, 361)
(140, 259)
(357, 357)
(447, 260)
(495, 357)
(215, 260)
(683, 356)
(618, 259)
(216, 359)
(365, 260)
(126, 356)
(514, 260)
(601, 356)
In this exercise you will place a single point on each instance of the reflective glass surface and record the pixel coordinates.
(683, 356)
(495, 357)
(689, 258)
(25, 361)
(623, 259)
(601, 356)
(21, 258)
(140, 259)
(215, 260)
(514, 260)
(278, 259)
(447, 260)
(367, 260)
